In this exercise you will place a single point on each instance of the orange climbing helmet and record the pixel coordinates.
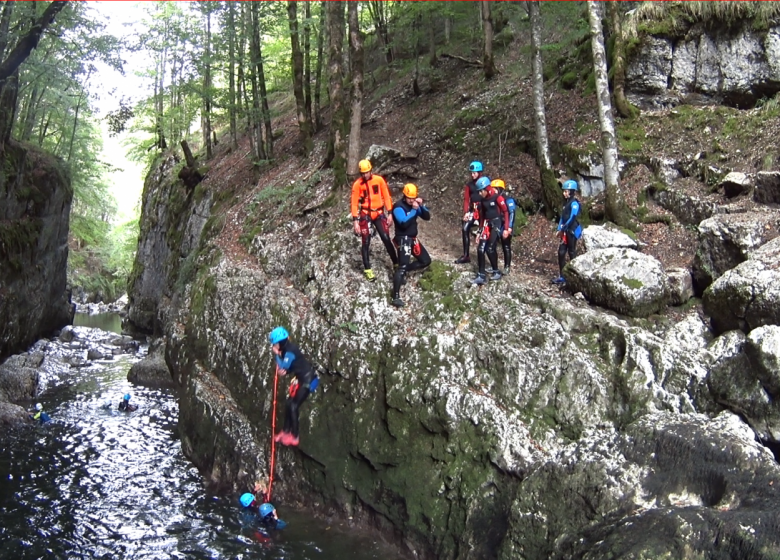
(410, 190)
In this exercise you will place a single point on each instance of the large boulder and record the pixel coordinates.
(379, 155)
(623, 280)
(748, 296)
(735, 184)
(12, 415)
(152, 371)
(726, 240)
(745, 377)
(689, 209)
(19, 377)
(608, 235)
(767, 189)
(680, 284)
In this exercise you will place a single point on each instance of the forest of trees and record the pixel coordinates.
(218, 70)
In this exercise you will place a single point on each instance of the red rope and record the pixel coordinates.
(273, 433)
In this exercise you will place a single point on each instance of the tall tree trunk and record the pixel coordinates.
(318, 70)
(379, 10)
(336, 156)
(487, 52)
(232, 74)
(615, 207)
(551, 192)
(5, 21)
(241, 105)
(432, 38)
(206, 111)
(30, 40)
(9, 91)
(304, 126)
(269, 133)
(76, 116)
(447, 29)
(256, 116)
(623, 105)
(307, 63)
(356, 113)
(30, 114)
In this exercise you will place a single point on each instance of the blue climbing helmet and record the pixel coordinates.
(246, 499)
(476, 167)
(277, 335)
(483, 183)
(266, 510)
(570, 185)
(126, 397)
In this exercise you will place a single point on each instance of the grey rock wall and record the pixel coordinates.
(35, 200)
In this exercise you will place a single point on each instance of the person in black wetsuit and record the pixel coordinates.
(493, 218)
(125, 406)
(511, 206)
(290, 359)
(471, 202)
(405, 214)
(569, 228)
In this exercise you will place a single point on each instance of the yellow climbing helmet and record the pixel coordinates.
(364, 165)
(497, 184)
(410, 190)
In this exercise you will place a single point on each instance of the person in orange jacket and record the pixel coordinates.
(370, 200)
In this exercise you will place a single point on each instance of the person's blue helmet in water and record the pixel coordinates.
(266, 510)
(246, 499)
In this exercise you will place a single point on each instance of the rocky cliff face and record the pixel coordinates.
(35, 199)
(471, 424)
(736, 66)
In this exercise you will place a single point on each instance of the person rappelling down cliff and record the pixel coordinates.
(290, 359)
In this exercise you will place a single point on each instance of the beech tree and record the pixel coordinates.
(615, 207)
(551, 193)
(356, 93)
(337, 155)
(488, 64)
(622, 104)
(304, 124)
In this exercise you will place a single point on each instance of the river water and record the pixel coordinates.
(97, 483)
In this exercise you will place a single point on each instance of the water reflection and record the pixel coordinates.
(97, 483)
(110, 322)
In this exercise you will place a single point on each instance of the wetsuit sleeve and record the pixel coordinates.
(466, 199)
(504, 210)
(355, 198)
(424, 213)
(286, 361)
(386, 195)
(575, 210)
(511, 206)
(402, 217)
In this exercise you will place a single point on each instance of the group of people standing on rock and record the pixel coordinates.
(487, 204)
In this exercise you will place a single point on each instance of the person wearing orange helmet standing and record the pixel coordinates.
(405, 213)
(370, 199)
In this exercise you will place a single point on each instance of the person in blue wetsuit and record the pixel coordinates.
(290, 359)
(569, 228)
(511, 206)
(39, 415)
(405, 214)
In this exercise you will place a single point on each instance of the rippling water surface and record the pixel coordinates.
(98, 483)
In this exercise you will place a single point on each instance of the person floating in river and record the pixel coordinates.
(266, 512)
(370, 199)
(569, 228)
(39, 415)
(125, 406)
(405, 214)
(493, 219)
(290, 359)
